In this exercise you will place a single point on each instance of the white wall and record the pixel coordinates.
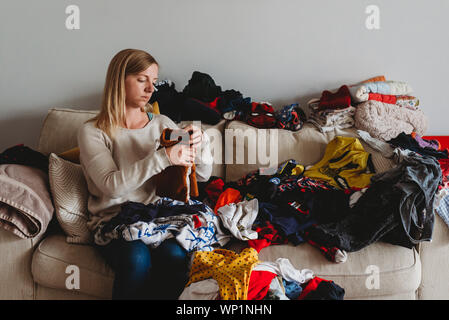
(279, 51)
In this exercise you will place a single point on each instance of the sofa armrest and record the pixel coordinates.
(15, 266)
(435, 263)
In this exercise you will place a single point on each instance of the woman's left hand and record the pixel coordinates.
(196, 136)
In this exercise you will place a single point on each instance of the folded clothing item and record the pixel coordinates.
(337, 100)
(328, 120)
(405, 101)
(360, 92)
(386, 121)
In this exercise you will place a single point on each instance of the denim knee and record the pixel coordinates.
(170, 255)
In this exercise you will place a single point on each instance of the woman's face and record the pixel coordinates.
(139, 87)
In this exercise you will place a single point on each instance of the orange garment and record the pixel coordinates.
(230, 195)
(374, 79)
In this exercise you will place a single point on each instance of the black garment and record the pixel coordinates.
(20, 154)
(169, 100)
(201, 86)
(397, 208)
(406, 141)
(194, 109)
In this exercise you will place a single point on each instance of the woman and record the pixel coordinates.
(119, 156)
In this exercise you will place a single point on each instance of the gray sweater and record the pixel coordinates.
(122, 169)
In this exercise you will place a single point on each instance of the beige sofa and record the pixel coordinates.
(37, 268)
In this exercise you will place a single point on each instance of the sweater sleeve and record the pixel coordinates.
(204, 160)
(96, 158)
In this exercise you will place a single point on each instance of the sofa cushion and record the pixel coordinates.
(52, 257)
(379, 270)
(70, 194)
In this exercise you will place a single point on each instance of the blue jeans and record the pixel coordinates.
(145, 273)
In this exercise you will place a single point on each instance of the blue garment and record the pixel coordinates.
(292, 289)
(144, 273)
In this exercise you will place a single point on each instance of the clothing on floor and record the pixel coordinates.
(345, 164)
(238, 218)
(231, 270)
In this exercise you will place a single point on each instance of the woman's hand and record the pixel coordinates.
(196, 136)
(181, 155)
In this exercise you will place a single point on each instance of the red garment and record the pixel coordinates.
(311, 286)
(261, 116)
(338, 100)
(386, 98)
(267, 235)
(214, 189)
(230, 195)
(259, 284)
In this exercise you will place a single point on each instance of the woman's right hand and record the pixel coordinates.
(181, 155)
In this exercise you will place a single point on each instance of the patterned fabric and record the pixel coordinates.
(231, 270)
(198, 231)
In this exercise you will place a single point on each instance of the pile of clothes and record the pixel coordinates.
(203, 100)
(382, 108)
(332, 110)
(227, 275)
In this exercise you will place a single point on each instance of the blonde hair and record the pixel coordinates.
(112, 110)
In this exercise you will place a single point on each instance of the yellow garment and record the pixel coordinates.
(296, 171)
(345, 164)
(231, 270)
(72, 155)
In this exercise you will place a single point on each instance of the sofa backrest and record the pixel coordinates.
(60, 128)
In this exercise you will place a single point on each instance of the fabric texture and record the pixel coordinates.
(345, 164)
(69, 190)
(26, 207)
(238, 218)
(386, 121)
(231, 270)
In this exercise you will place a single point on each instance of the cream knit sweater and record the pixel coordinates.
(121, 169)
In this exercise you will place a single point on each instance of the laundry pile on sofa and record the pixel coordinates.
(203, 100)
